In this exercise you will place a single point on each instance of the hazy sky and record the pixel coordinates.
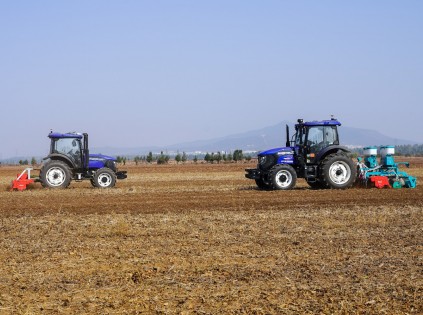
(139, 73)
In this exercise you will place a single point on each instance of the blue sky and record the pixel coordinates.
(140, 73)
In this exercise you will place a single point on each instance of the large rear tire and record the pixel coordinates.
(338, 171)
(55, 175)
(283, 177)
(104, 178)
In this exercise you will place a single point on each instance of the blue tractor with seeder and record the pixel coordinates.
(69, 159)
(313, 153)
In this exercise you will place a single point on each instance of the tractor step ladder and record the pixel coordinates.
(23, 180)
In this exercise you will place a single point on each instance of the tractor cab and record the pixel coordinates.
(68, 146)
(311, 139)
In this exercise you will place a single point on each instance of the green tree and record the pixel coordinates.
(218, 157)
(33, 161)
(184, 157)
(163, 158)
(229, 157)
(149, 157)
(178, 158)
(137, 159)
(207, 157)
(195, 159)
(238, 156)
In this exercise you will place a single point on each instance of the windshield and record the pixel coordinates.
(68, 146)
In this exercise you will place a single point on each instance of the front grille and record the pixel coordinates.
(111, 164)
(266, 162)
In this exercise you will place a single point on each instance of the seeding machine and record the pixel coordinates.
(386, 173)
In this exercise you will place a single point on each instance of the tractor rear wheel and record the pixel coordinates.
(283, 177)
(338, 171)
(104, 178)
(55, 174)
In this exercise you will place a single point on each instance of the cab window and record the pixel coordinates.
(319, 137)
(68, 146)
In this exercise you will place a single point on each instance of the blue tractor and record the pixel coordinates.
(313, 153)
(69, 159)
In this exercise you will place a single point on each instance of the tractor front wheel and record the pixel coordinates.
(55, 174)
(338, 171)
(283, 177)
(104, 178)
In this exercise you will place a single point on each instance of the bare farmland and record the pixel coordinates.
(201, 239)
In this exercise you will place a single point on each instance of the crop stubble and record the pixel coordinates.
(202, 239)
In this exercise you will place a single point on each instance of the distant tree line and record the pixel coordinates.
(162, 158)
(226, 157)
(149, 158)
(26, 162)
(409, 150)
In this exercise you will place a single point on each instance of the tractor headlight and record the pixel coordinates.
(262, 159)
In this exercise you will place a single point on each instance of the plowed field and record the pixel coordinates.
(201, 239)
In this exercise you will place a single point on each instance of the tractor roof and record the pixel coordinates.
(57, 135)
(330, 122)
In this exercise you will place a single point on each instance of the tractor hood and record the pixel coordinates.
(94, 157)
(283, 155)
(99, 160)
(279, 151)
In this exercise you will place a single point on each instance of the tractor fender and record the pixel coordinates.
(329, 150)
(63, 158)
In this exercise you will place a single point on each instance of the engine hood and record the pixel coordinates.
(101, 157)
(281, 151)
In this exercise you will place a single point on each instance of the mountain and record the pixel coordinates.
(260, 139)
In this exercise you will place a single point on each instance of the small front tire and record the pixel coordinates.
(283, 177)
(104, 178)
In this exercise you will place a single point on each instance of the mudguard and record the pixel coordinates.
(328, 150)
